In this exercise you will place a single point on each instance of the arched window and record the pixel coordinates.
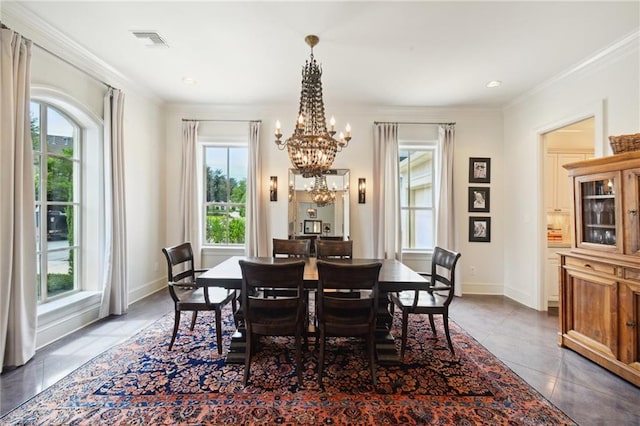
(57, 145)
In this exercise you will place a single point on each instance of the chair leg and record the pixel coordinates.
(405, 324)
(247, 357)
(176, 324)
(219, 329)
(321, 356)
(193, 319)
(445, 320)
(433, 325)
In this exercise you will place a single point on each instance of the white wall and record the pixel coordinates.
(610, 88)
(478, 134)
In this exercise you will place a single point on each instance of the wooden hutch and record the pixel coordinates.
(600, 275)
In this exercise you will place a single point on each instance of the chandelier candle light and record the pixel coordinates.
(311, 147)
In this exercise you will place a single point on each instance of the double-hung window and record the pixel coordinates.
(224, 193)
(57, 169)
(417, 195)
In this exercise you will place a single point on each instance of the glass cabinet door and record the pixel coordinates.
(597, 212)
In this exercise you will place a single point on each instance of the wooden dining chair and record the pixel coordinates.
(276, 314)
(181, 279)
(434, 299)
(341, 315)
(328, 249)
(291, 248)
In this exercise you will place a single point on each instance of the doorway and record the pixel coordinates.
(570, 143)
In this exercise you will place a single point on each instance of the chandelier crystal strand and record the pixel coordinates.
(311, 147)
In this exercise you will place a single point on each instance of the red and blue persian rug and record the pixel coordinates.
(139, 382)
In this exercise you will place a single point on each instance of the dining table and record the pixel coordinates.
(394, 276)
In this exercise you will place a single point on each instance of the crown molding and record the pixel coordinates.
(18, 17)
(609, 54)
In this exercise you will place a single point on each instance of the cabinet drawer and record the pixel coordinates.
(588, 265)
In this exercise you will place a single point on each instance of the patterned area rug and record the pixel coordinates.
(141, 382)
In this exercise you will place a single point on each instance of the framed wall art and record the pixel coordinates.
(479, 199)
(479, 229)
(479, 170)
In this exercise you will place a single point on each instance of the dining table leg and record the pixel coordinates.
(386, 351)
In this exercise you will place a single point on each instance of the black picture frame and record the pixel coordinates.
(313, 227)
(479, 229)
(479, 198)
(479, 170)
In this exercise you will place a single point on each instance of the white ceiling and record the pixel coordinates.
(393, 53)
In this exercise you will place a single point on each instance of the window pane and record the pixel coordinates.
(57, 224)
(416, 174)
(60, 132)
(417, 229)
(60, 270)
(37, 172)
(35, 125)
(216, 225)
(216, 170)
(59, 179)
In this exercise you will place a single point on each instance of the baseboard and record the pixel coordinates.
(482, 288)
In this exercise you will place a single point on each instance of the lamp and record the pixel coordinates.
(362, 190)
(320, 192)
(311, 147)
(273, 188)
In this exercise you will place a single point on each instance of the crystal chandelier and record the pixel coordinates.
(320, 192)
(311, 147)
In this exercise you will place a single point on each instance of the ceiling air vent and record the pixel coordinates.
(150, 38)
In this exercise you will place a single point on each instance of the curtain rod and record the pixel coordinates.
(222, 121)
(410, 122)
(62, 59)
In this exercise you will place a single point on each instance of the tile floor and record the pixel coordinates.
(522, 338)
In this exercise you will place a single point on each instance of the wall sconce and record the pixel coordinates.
(362, 190)
(273, 188)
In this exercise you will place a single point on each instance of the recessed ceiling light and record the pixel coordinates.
(494, 83)
(188, 80)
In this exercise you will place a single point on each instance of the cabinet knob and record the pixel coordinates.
(633, 212)
(630, 324)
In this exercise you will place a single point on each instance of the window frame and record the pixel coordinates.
(42, 203)
(228, 143)
(419, 145)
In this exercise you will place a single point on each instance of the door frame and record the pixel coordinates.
(596, 111)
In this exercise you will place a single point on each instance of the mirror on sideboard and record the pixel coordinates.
(314, 213)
